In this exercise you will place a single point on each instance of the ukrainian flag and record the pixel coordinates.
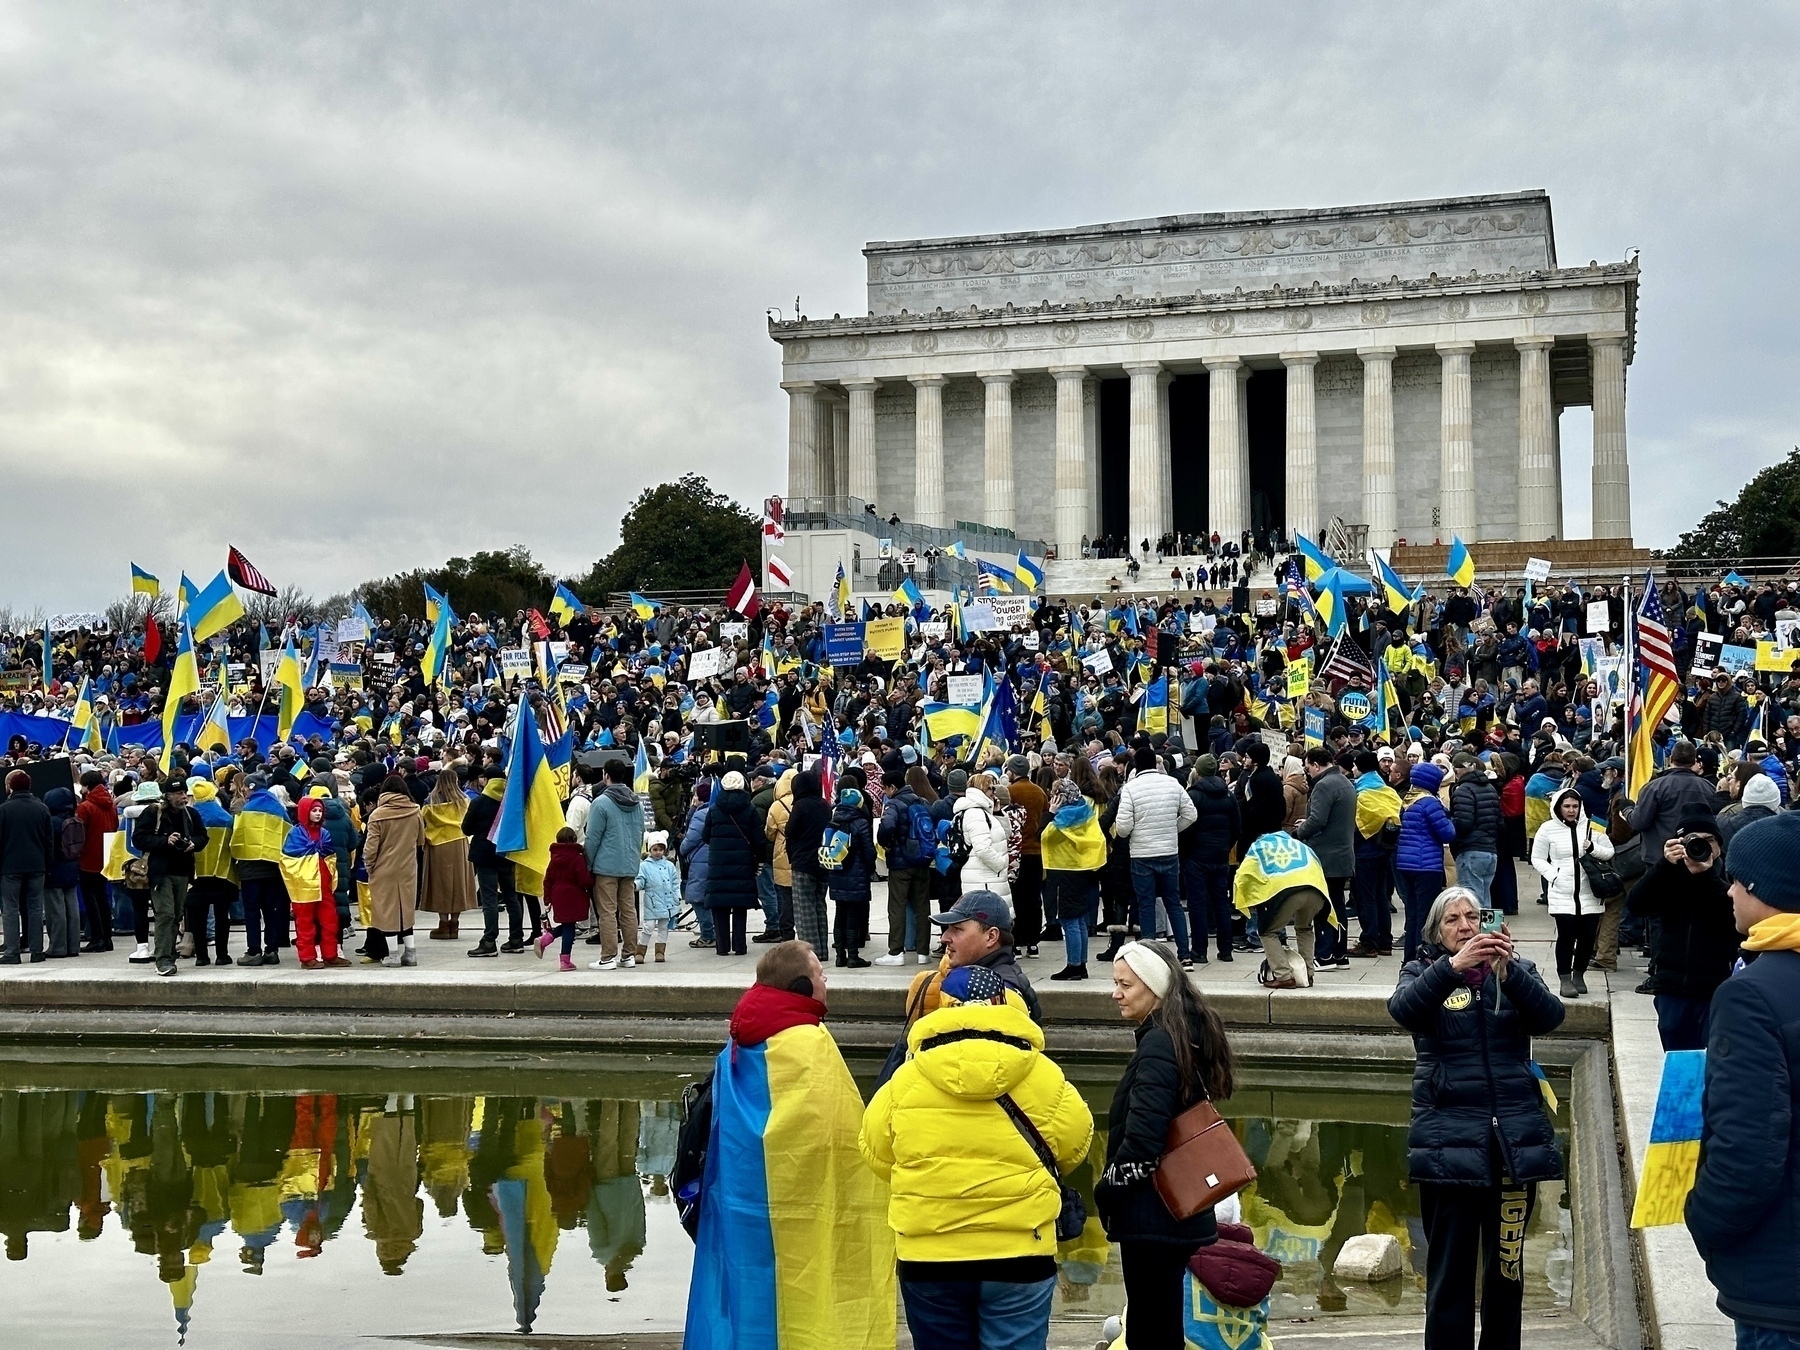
(842, 589)
(183, 680)
(1329, 606)
(948, 721)
(1460, 565)
(437, 604)
(643, 606)
(565, 604)
(794, 1246)
(1673, 1153)
(530, 814)
(1153, 711)
(260, 829)
(1399, 599)
(293, 694)
(83, 719)
(213, 609)
(306, 867)
(437, 651)
(215, 733)
(907, 593)
(957, 550)
(996, 578)
(143, 583)
(1028, 573)
(1318, 562)
(640, 771)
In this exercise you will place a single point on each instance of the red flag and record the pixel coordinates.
(1150, 642)
(772, 520)
(742, 595)
(243, 574)
(540, 627)
(152, 640)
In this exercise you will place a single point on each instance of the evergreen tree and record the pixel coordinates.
(1764, 521)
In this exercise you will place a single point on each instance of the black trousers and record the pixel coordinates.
(216, 894)
(1466, 1226)
(1155, 1294)
(1028, 901)
(96, 909)
(1575, 935)
(849, 927)
(728, 931)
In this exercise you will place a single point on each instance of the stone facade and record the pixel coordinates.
(1440, 339)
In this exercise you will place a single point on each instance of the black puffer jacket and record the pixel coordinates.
(1148, 1097)
(1697, 941)
(1475, 807)
(735, 844)
(1473, 1076)
(807, 819)
(1216, 821)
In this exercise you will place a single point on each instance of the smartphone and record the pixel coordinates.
(1491, 919)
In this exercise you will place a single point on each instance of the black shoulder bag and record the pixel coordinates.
(1071, 1217)
(897, 1055)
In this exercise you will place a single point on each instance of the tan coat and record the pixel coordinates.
(449, 884)
(391, 845)
(776, 828)
(1298, 793)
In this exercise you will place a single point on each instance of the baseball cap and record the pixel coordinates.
(987, 908)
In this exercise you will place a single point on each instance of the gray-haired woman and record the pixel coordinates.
(1481, 1138)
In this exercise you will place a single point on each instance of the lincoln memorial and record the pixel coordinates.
(1399, 368)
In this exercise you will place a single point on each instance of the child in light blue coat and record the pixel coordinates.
(659, 897)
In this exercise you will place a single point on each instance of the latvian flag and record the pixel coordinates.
(780, 579)
(772, 528)
(243, 574)
(742, 595)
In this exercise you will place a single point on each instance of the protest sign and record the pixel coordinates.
(731, 632)
(843, 644)
(64, 623)
(1099, 662)
(1735, 659)
(978, 617)
(1706, 652)
(1354, 705)
(885, 639)
(1299, 679)
(14, 680)
(1598, 618)
(1010, 610)
(1277, 743)
(964, 689)
(515, 661)
(1771, 657)
(705, 663)
(571, 672)
(1267, 609)
(346, 674)
(381, 658)
(1315, 727)
(352, 630)
(268, 660)
(558, 650)
(1786, 632)
(1031, 641)
(1537, 569)
(936, 629)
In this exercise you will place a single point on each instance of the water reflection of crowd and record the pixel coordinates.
(180, 1170)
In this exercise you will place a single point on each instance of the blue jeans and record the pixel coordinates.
(1207, 887)
(770, 896)
(1476, 871)
(1149, 877)
(978, 1315)
(1765, 1338)
(1682, 1022)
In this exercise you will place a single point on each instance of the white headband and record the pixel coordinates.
(1149, 967)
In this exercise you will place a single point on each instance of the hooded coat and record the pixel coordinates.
(1217, 823)
(849, 884)
(985, 868)
(735, 846)
(1556, 854)
(391, 854)
(567, 884)
(615, 832)
(100, 813)
(809, 814)
(965, 1185)
(64, 872)
(775, 823)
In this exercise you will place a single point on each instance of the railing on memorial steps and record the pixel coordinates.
(1752, 569)
(852, 513)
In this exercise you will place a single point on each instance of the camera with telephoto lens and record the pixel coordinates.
(1698, 847)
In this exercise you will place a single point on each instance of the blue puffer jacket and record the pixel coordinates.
(1425, 827)
(735, 845)
(1472, 1079)
(1744, 1210)
(695, 854)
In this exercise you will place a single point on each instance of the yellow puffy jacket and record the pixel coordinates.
(964, 1185)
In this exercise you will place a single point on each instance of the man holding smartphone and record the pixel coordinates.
(169, 834)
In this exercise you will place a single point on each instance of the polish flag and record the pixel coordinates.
(742, 595)
(780, 579)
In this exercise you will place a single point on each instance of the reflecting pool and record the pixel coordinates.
(241, 1203)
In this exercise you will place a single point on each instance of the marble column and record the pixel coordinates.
(1302, 445)
(1538, 488)
(1244, 495)
(1090, 434)
(1165, 454)
(804, 436)
(1225, 471)
(928, 449)
(1612, 474)
(997, 443)
(1456, 445)
(1380, 509)
(1146, 511)
(1071, 460)
(861, 474)
(840, 448)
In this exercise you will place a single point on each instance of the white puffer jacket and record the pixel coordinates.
(985, 829)
(1153, 810)
(1553, 854)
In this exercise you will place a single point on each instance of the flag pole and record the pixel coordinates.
(1631, 681)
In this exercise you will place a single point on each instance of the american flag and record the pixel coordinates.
(1655, 684)
(828, 756)
(247, 576)
(1346, 662)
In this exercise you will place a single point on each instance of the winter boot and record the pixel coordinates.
(1568, 987)
(564, 963)
(662, 951)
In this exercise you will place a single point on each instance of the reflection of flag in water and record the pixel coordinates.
(1673, 1154)
(525, 1266)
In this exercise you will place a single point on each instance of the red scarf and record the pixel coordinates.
(764, 1011)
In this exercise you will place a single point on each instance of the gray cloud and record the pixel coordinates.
(360, 287)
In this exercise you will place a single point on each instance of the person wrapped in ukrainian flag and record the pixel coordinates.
(306, 870)
(1282, 881)
(792, 1245)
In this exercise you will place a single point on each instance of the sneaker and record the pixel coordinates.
(891, 959)
(409, 957)
(767, 935)
(1200, 959)
(202, 959)
(1187, 962)
(271, 958)
(855, 961)
(1225, 955)
(924, 960)
(141, 956)
(484, 948)
(627, 961)
(160, 970)
(1031, 951)
(513, 948)
(692, 942)
(604, 963)
(1647, 987)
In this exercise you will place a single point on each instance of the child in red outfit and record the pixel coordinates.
(566, 888)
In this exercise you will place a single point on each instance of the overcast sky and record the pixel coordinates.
(360, 287)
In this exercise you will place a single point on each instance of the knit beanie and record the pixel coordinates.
(1762, 857)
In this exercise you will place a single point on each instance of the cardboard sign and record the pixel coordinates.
(1537, 569)
(706, 663)
(268, 660)
(346, 675)
(885, 639)
(1315, 727)
(1276, 741)
(1771, 657)
(1267, 609)
(936, 630)
(352, 630)
(964, 689)
(1010, 610)
(1031, 641)
(978, 617)
(64, 623)
(1735, 659)
(1599, 618)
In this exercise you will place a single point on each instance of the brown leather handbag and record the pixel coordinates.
(1202, 1162)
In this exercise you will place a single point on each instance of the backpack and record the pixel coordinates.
(74, 839)
(956, 842)
(834, 849)
(690, 1153)
(922, 834)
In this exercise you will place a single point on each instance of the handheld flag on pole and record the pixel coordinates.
(741, 598)
(83, 719)
(183, 680)
(49, 658)
(143, 583)
(215, 731)
(907, 593)
(437, 651)
(437, 603)
(640, 771)
(1459, 566)
(565, 604)
(1655, 685)
(643, 606)
(243, 574)
(991, 578)
(1028, 573)
(842, 591)
(530, 814)
(1318, 562)
(213, 609)
(292, 695)
(957, 550)
(1399, 599)
(1153, 711)
(781, 577)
